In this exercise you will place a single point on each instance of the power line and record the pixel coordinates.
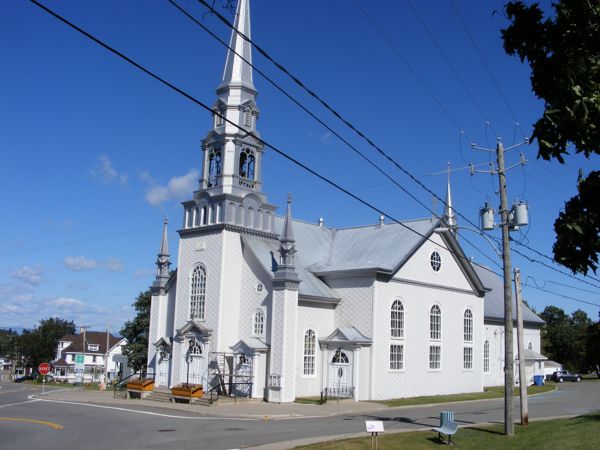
(265, 143)
(487, 68)
(249, 133)
(561, 295)
(79, 241)
(356, 130)
(452, 68)
(299, 104)
(409, 67)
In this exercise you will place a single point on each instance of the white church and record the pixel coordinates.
(275, 308)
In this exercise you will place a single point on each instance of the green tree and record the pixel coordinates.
(564, 337)
(563, 53)
(556, 335)
(39, 344)
(592, 348)
(136, 332)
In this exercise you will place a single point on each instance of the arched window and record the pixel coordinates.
(195, 349)
(468, 326)
(435, 323)
(530, 346)
(310, 340)
(247, 162)
(397, 319)
(198, 293)
(214, 166)
(486, 356)
(340, 358)
(258, 326)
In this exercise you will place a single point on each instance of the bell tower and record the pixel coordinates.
(230, 188)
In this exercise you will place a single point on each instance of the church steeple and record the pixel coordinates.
(449, 215)
(231, 183)
(162, 262)
(238, 69)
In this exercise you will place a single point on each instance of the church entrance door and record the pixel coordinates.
(164, 372)
(340, 376)
(194, 365)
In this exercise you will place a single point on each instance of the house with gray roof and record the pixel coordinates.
(271, 307)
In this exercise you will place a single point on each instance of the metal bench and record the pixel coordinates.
(447, 426)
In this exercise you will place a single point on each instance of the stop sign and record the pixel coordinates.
(44, 368)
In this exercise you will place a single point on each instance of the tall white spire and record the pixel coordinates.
(238, 71)
(449, 216)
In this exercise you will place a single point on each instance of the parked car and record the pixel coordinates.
(26, 378)
(564, 375)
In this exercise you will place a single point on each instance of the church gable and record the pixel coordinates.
(435, 262)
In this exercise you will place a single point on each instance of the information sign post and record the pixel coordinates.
(374, 427)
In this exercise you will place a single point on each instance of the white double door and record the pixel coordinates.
(194, 370)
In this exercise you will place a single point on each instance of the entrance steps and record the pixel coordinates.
(159, 395)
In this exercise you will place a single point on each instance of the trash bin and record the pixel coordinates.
(538, 380)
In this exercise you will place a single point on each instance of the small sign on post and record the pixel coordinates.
(374, 427)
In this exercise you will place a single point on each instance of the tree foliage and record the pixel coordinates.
(565, 338)
(39, 344)
(563, 53)
(136, 332)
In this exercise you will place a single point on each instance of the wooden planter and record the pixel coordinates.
(140, 388)
(187, 392)
(140, 385)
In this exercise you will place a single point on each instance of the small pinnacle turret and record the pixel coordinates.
(162, 262)
(286, 270)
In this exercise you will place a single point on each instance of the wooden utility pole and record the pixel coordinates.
(520, 343)
(509, 426)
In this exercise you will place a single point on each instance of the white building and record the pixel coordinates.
(94, 352)
(276, 308)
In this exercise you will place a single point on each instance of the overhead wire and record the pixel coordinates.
(267, 144)
(299, 104)
(249, 133)
(452, 68)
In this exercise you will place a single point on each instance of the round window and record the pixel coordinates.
(436, 261)
(259, 288)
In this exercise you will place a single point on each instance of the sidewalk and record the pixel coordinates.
(243, 408)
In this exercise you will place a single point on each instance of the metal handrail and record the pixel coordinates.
(119, 384)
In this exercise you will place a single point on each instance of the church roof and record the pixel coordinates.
(346, 335)
(266, 252)
(494, 298)
(326, 251)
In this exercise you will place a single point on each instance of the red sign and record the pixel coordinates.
(44, 368)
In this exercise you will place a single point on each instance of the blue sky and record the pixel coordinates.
(95, 153)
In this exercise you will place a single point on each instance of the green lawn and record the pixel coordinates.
(577, 433)
(491, 392)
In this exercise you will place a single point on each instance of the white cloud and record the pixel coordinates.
(143, 273)
(81, 263)
(28, 275)
(114, 265)
(178, 188)
(67, 303)
(106, 173)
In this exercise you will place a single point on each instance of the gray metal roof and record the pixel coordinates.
(348, 335)
(266, 251)
(494, 299)
(372, 247)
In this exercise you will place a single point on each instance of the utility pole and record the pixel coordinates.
(509, 426)
(510, 220)
(106, 358)
(520, 342)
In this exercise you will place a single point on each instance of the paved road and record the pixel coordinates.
(28, 420)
